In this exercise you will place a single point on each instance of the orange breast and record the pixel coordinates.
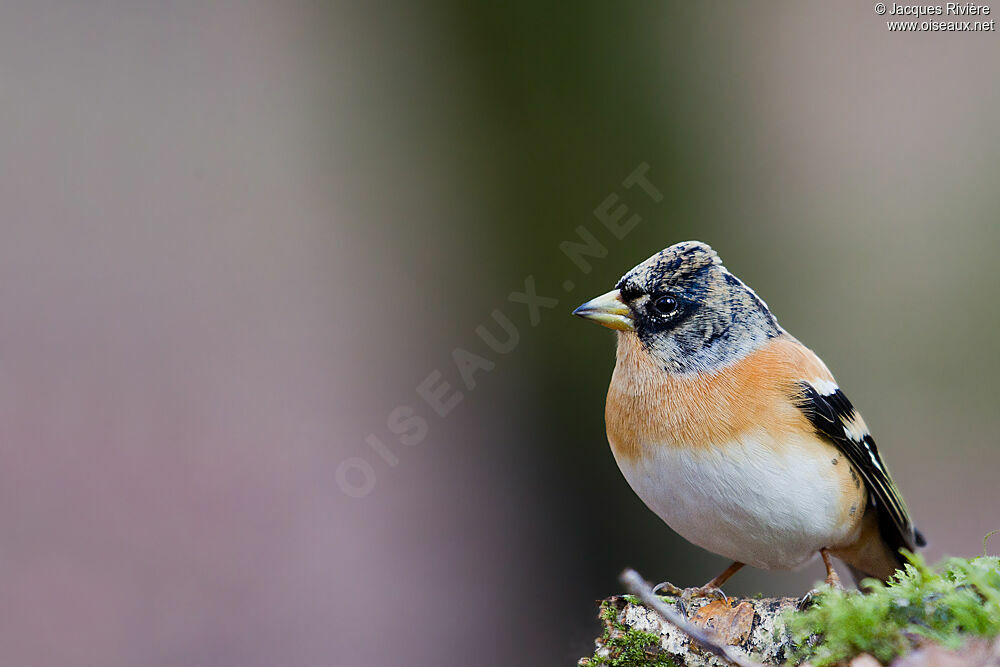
(647, 407)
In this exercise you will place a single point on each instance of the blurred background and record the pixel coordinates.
(236, 236)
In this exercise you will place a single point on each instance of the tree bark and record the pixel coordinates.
(745, 624)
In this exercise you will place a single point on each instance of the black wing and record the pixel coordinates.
(834, 416)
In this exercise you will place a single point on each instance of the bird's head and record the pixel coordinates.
(686, 309)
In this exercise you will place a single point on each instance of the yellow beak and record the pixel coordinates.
(608, 310)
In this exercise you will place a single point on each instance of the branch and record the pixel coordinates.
(639, 587)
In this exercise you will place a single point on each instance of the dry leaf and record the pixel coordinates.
(731, 624)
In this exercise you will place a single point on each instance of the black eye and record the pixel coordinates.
(665, 305)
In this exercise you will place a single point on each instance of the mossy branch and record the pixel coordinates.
(705, 636)
(924, 615)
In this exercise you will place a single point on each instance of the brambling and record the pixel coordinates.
(736, 434)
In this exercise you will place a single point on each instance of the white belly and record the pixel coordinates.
(772, 507)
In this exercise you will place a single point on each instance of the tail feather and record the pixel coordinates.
(876, 552)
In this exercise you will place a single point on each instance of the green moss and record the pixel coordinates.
(945, 604)
(627, 647)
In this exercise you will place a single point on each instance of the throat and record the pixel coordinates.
(707, 348)
(650, 405)
(649, 366)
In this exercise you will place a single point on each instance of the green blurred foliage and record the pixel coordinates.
(947, 605)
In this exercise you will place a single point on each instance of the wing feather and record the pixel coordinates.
(832, 415)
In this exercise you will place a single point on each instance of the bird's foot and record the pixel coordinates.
(667, 588)
(807, 600)
(685, 595)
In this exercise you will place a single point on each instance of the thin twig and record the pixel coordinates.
(640, 588)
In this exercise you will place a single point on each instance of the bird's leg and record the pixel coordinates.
(710, 590)
(724, 576)
(832, 579)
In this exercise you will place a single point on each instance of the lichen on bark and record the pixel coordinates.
(749, 625)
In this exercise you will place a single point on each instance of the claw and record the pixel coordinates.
(707, 592)
(685, 595)
(807, 600)
(669, 589)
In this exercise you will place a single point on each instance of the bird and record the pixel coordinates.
(736, 434)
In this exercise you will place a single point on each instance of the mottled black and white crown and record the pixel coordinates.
(672, 264)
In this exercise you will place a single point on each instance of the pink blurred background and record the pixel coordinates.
(236, 235)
